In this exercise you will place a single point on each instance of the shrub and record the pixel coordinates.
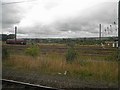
(71, 54)
(70, 44)
(115, 56)
(5, 53)
(32, 51)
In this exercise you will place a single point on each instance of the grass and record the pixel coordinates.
(100, 67)
(54, 63)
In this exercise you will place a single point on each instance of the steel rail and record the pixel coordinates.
(29, 84)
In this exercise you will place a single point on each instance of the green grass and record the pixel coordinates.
(86, 67)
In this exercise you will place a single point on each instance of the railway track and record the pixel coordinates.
(14, 85)
(11, 84)
(85, 50)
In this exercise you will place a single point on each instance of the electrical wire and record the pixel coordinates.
(17, 2)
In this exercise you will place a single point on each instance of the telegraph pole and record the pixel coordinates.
(15, 33)
(100, 31)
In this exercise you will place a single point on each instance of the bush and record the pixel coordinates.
(71, 54)
(115, 56)
(70, 44)
(32, 51)
(5, 53)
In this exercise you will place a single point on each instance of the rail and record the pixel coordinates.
(29, 84)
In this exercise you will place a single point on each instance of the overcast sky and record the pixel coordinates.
(59, 18)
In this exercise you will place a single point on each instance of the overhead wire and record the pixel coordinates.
(17, 2)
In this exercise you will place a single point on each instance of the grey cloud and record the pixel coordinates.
(105, 13)
(10, 15)
(89, 20)
(86, 24)
(0, 17)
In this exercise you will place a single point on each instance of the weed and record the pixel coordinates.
(33, 51)
(115, 56)
(71, 55)
(85, 74)
(5, 53)
(83, 66)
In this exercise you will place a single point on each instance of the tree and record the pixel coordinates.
(11, 36)
(4, 37)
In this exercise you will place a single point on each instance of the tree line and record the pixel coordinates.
(4, 37)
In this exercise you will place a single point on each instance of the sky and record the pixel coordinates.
(59, 18)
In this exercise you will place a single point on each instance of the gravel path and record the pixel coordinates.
(58, 81)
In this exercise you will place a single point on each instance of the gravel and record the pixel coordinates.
(57, 81)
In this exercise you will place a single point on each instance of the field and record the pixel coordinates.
(94, 66)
